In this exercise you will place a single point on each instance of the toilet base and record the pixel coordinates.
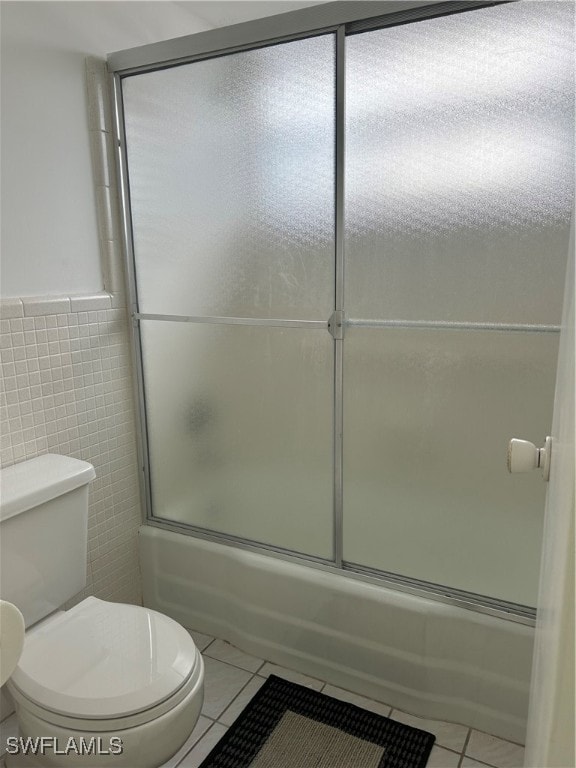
(148, 745)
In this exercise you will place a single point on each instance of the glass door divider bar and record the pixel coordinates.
(349, 323)
(223, 320)
(339, 295)
(452, 325)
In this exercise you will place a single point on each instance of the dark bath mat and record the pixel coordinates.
(290, 726)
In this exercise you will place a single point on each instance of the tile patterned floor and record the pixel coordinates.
(233, 677)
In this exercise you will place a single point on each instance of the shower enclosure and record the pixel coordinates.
(346, 248)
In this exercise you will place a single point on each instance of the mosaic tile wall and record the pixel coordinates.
(67, 388)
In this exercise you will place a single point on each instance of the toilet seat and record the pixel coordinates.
(111, 665)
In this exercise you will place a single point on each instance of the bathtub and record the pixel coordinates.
(422, 656)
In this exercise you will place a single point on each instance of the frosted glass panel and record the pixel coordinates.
(427, 419)
(240, 430)
(231, 164)
(460, 170)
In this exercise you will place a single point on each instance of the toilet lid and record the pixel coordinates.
(104, 660)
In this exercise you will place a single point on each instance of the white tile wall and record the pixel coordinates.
(67, 388)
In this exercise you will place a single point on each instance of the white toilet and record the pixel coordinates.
(99, 669)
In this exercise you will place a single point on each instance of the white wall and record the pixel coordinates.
(49, 227)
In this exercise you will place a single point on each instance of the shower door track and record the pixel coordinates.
(341, 19)
(502, 609)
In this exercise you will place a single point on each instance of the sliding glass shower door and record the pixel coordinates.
(347, 255)
(459, 179)
(231, 170)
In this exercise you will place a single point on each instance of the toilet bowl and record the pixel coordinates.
(102, 684)
(125, 675)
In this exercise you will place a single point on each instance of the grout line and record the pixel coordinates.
(441, 746)
(466, 740)
(508, 741)
(209, 644)
(227, 707)
(196, 742)
(296, 672)
(231, 664)
(484, 765)
(514, 743)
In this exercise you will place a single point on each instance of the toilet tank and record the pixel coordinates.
(43, 533)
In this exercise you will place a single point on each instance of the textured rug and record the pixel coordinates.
(290, 726)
